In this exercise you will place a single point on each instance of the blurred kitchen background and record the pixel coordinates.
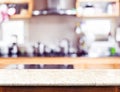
(55, 30)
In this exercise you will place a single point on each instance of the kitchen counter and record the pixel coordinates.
(89, 72)
(78, 62)
(80, 77)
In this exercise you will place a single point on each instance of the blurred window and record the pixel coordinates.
(13, 31)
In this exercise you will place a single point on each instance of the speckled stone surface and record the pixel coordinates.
(81, 77)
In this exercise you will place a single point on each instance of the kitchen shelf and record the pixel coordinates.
(97, 8)
(20, 16)
(98, 16)
(15, 1)
(78, 62)
(27, 12)
(98, 0)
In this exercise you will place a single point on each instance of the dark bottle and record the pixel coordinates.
(13, 50)
(47, 51)
(61, 53)
(57, 52)
(10, 51)
(19, 53)
(0, 52)
(65, 45)
(35, 51)
(38, 49)
(52, 53)
(81, 53)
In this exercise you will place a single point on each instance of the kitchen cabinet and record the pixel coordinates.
(58, 89)
(117, 89)
(97, 8)
(23, 8)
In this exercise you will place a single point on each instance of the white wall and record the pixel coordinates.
(51, 29)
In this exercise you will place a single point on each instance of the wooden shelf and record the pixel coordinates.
(80, 62)
(28, 13)
(15, 1)
(19, 16)
(98, 16)
(98, 0)
(116, 13)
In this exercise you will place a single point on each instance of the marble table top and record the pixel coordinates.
(61, 77)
